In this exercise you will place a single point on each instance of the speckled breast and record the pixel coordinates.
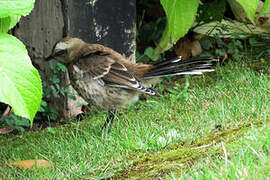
(95, 92)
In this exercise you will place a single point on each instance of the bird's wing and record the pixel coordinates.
(104, 66)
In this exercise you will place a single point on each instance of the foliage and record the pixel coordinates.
(266, 8)
(52, 88)
(260, 47)
(8, 22)
(225, 41)
(147, 54)
(20, 81)
(261, 16)
(180, 16)
(213, 11)
(216, 46)
(146, 31)
(249, 6)
(16, 7)
(16, 122)
(221, 49)
(230, 29)
(11, 11)
(145, 35)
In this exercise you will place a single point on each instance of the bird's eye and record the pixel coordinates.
(61, 52)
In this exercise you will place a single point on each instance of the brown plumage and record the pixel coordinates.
(106, 79)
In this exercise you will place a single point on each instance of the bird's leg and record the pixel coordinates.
(110, 119)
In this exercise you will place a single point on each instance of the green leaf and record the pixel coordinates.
(206, 44)
(149, 53)
(20, 82)
(180, 16)
(229, 29)
(61, 67)
(15, 7)
(249, 6)
(266, 8)
(9, 22)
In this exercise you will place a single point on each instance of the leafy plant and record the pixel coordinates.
(249, 6)
(260, 47)
(8, 22)
(20, 82)
(52, 88)
(266, 8)
(180, 16)
(218, 47)
(213, 11)
(147, 54)
(17, 122)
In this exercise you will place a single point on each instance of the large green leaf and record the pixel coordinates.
(230, 29)
(9, 22)
(19, 80)
(12, 10)
(15, 7)
(266, 8)
(180, 16)
(250, 7)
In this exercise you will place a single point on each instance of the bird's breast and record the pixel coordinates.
(97, 93)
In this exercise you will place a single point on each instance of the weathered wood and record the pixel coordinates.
(109, 22)
(42, 28)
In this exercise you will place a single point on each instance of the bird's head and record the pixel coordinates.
(66, 50)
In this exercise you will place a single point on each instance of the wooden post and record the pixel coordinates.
(109, 22)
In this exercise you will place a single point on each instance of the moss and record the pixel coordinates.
(179, 157)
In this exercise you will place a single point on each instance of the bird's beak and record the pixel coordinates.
(49, 58)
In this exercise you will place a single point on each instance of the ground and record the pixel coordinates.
(213, 126)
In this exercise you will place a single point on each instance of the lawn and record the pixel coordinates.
(213, 126)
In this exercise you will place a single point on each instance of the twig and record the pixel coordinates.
(6, 112)
(225, 153)
(204, 146)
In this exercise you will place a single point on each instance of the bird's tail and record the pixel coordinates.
(178, 66)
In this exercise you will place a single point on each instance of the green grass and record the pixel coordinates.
(229, 107)
(247, 158)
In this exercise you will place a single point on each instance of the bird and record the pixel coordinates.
(106, 79)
